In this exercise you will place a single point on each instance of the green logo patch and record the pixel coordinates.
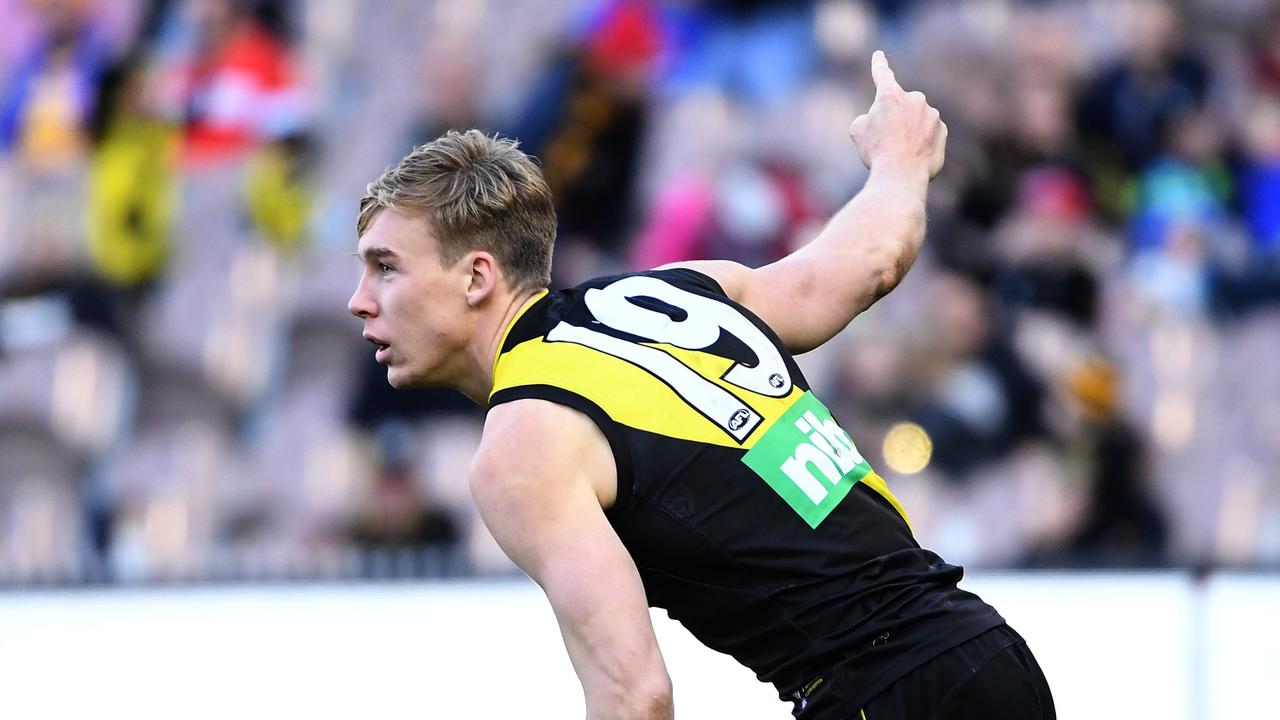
(808, 459)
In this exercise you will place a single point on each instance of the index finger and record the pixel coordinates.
(881, 75)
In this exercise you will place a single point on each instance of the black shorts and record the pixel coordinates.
(994, 675)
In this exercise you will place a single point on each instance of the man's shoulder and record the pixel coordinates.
(683, 275)
(513, 429)
(543, 437)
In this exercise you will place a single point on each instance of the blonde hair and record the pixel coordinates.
(478, 192)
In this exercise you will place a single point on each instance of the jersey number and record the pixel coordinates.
(704, 320)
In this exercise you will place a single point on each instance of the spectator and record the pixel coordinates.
(277, 190)
(240, 84)
(1046, 260)
(396, 515)
(1040, 134)
(1121, 524)
(1036, 159)
(1181, 209)
(980, 400)
(1253, 280)
(1161, 76)
(133, 180)
(45, 113)
(586, 120)
(1260, 175)
(752, 214)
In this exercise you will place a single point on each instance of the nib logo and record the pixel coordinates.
(808, 459)
(829, 450)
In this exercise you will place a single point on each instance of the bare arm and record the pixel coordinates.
(869, 245)
(538, 480)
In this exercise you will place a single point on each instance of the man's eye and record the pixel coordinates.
(385, 268)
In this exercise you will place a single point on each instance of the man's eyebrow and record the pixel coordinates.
(376, 253)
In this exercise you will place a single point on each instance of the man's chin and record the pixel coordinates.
(399, 379)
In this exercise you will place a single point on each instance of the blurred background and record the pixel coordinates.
(1078, 373)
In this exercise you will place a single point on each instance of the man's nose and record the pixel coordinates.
(361, 304)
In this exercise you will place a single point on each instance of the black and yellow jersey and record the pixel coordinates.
(750, 514)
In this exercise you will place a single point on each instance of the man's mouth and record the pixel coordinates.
(384, 348)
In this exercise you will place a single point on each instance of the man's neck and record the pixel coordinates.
(478, 385)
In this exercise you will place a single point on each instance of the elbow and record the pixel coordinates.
(892, 266)
(641, 699)
(886, 279)
(655, 704)
(887, 273)
(660, 703)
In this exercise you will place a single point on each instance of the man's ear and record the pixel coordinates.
(483, 277)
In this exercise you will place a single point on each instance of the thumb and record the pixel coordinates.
(882, 75)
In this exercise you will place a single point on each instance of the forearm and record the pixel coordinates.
(612, 647)
(863, 252)
(869, 245)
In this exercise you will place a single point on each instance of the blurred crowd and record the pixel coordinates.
(1077, 372)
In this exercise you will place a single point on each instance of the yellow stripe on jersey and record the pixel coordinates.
(631, 395)
(877, 483)
(634, 397)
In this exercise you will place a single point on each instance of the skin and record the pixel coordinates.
(440, 323)
(544, 473)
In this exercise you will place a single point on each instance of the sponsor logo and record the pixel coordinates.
(808, 459)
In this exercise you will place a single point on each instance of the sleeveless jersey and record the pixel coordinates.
(750, 514)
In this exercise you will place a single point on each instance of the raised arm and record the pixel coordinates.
(539, 478)
(867, 247)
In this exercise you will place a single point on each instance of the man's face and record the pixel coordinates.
(414, 307)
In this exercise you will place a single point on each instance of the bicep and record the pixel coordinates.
(539, 501)
(564, 542)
